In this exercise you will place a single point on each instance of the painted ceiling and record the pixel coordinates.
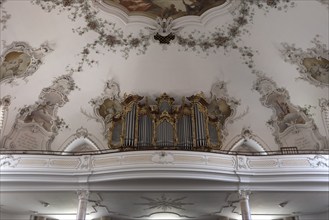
(263, 66)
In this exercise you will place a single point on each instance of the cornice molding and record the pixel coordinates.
(125, 169)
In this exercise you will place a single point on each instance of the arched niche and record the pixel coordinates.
(81, 145)
(248, 146)
(247, 142)
(81, 141)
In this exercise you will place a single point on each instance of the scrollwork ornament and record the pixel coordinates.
(313, 63)
(81, 132)
(106, 106)
(223, 106)
(84, 162)
(9, 161)
(162, 158)
(4, 107)
(5, 16)
(20, 60)
(39, 122)
(318, 161)
(241, 163)
(324, 106)
(246, 133)
(292, 126)
(164, 26)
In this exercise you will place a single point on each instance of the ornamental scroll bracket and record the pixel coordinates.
(164, 30)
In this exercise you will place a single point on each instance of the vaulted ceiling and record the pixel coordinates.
(266, 61)
(262, 56)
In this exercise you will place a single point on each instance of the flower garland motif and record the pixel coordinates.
(113, 38)
(5, 16)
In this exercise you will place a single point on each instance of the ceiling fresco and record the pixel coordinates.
(20, 60)
(231, 57)
(164, 9)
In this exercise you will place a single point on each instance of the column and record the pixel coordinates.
(244, 204)
(83, 202)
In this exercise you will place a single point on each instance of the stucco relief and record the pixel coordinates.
(292, 127)
(313, 63)
(164, 204)
(106, 106)
(113, 39)
(9, 161)
(20, 60)
(4, 15)
(241, 163)
(4, 104)
(163, 158)
(223, 106)
(37, 125)
(318, 161)
(324, 105)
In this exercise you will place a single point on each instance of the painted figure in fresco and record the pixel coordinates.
(110, 108)
(169, 8)
(195, 7)
(112, 90)
(14, 64)
(170, 11)
(139, 5)
(219, 110)
(318, 69)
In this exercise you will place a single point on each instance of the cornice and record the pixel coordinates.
(169, 170)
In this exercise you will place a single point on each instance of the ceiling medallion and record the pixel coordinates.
(164, 203)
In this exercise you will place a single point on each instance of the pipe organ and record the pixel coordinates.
(164, 124)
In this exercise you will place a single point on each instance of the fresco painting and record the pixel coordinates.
(317, 68)
(166, 8)
(14, 64)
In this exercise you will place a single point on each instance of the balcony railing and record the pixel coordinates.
(283, 151)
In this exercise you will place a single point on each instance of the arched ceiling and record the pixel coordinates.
(270, 58)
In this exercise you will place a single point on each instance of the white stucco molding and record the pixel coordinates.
(184, 170)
